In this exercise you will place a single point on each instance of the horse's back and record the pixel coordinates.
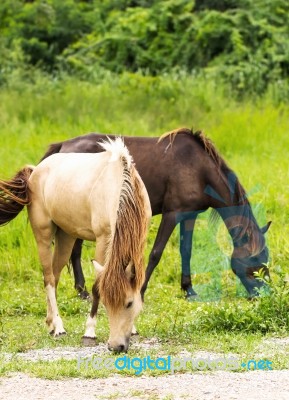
(175, 170)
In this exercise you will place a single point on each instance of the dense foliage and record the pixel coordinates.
(245, 42)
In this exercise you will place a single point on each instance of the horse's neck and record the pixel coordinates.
(238, 214)
(229, 200)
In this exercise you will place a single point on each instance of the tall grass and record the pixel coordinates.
(251, 136)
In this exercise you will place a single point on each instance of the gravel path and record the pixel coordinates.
(221, 385)
(198, 386)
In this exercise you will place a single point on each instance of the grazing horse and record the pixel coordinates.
(185, 175)
(93, 197)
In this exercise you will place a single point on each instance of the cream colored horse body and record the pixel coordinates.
(78, 196)
(78, 193)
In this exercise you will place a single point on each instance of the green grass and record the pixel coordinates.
(251, 136)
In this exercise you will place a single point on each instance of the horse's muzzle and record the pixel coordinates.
(119, 348)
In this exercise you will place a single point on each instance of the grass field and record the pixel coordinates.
(253, 138)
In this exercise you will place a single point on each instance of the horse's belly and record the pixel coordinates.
(77, 222)
(71, 213)
(76, 230)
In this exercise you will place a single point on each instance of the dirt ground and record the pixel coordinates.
(251, 385)
(197, 385)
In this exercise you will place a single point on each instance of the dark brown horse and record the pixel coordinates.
(185, 175)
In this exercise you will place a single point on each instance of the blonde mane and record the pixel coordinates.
(127, 242)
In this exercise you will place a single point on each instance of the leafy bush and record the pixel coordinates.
(243, 42)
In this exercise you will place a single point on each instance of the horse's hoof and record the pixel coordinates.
(88, 341)
(58, 335)
(253, 298)
(84, 295)
(192, 297)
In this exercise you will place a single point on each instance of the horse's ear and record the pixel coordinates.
(130, 271)
(266, 227)
(98, 268)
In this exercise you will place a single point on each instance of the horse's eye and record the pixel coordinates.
(129, 304)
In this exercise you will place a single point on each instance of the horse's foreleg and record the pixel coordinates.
(186, 237)
(79, 281)
(89, 337)
(165, 230)
(100, 250)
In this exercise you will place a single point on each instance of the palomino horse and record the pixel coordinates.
(185, 175)
(93, 197)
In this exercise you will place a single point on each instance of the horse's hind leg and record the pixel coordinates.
(79, 282)
(62, 251)
(44, 229)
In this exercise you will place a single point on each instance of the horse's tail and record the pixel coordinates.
(124, 265)
(14, 195)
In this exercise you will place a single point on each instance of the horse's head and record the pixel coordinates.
(121, 321)
(250, 252)
(123, 304)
